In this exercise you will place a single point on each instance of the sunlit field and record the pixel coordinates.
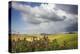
(43, 42)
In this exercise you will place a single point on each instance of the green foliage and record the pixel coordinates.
(63, 41)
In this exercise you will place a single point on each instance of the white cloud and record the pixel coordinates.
(45, 18)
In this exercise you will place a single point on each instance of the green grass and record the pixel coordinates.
(71, 39)
(56, 42)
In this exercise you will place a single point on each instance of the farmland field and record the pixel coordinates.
(38, 42)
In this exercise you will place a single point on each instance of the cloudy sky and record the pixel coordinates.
(28, 17)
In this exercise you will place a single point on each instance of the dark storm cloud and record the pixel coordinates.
(49, 18)
(73, 9)
(52, 17)
(73, 27)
